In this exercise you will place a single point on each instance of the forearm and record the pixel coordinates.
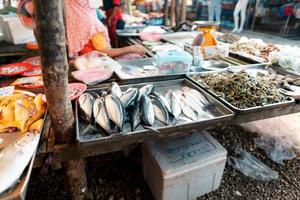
(115, 52)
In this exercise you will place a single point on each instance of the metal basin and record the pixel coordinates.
(214, 65)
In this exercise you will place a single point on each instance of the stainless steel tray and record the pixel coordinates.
(220, 112)
(20, 189)
(232, 107)
(127, 78)
(247, 57)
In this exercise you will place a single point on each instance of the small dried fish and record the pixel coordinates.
(243, 90)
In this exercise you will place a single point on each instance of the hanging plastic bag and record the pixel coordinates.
(275, 149)
(250, 166)
(96, 59)
(286, 129)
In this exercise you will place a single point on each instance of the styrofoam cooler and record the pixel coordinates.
(14, 31)
(184, 167)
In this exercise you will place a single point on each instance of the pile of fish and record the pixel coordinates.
(109, 110)
(241, 89)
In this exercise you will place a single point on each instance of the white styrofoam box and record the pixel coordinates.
(184, 167)
(14, 31)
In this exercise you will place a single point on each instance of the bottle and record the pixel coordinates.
(197, 57)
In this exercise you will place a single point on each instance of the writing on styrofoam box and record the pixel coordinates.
(5, 91)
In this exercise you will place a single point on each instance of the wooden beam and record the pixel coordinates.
(50, 33)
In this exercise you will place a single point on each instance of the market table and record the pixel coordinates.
(75, 151)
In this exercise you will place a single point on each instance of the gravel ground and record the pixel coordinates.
(114, 177)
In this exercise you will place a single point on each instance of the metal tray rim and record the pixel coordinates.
(225, 117)
(239, 110)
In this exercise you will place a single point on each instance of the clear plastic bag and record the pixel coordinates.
(285, 129)
(95, 59)
(250, 166)
(274, 149)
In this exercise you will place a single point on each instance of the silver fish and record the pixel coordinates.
(160, 111)
(101, 116)
(175, 104)
(115, 89)
(134, 118)
(194, 103)
(115, 110)
(146, 90)
(147, 111)
(197, 94)
(163, 100)
(188, 111)
(168, 96)
(129, 97)
(86, 102)
(95, 95)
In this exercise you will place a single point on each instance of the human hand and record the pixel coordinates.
(137, 49)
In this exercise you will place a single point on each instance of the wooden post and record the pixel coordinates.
(166, 12)
(50, 33)
(173, 15)
(183, 11)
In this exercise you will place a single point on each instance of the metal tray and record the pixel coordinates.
(220, 112)
(236, 109)
(247, 57)
(19, 191)
(127, 78)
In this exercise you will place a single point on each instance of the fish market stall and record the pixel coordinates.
(113, 111)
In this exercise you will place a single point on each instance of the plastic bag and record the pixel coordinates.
(95, 59)
(250, 166)
(285, 129)
(275, 149)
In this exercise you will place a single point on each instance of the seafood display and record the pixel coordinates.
(14, 69)
(21, 112)
(288, 58)
(241, 89)
(29, 82)
(110, 110)
(253, 47)
(228, 38)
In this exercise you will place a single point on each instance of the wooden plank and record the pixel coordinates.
(70, 151)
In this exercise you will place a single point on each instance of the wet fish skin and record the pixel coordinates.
(95, 95)
(168, 96)
(146, 111)
(101, 116)
(146, 90)
(134, 117)
(160, 111)
(116, 90)
(163, 100)
(115, 110)
(129, 97)
(195, 104)
(198, 95)
(86, 102)
(175, 104)
(188, 111)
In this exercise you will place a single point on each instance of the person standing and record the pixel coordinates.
(113, 18)
(85, 32)
(241, 7)
(215, 10)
